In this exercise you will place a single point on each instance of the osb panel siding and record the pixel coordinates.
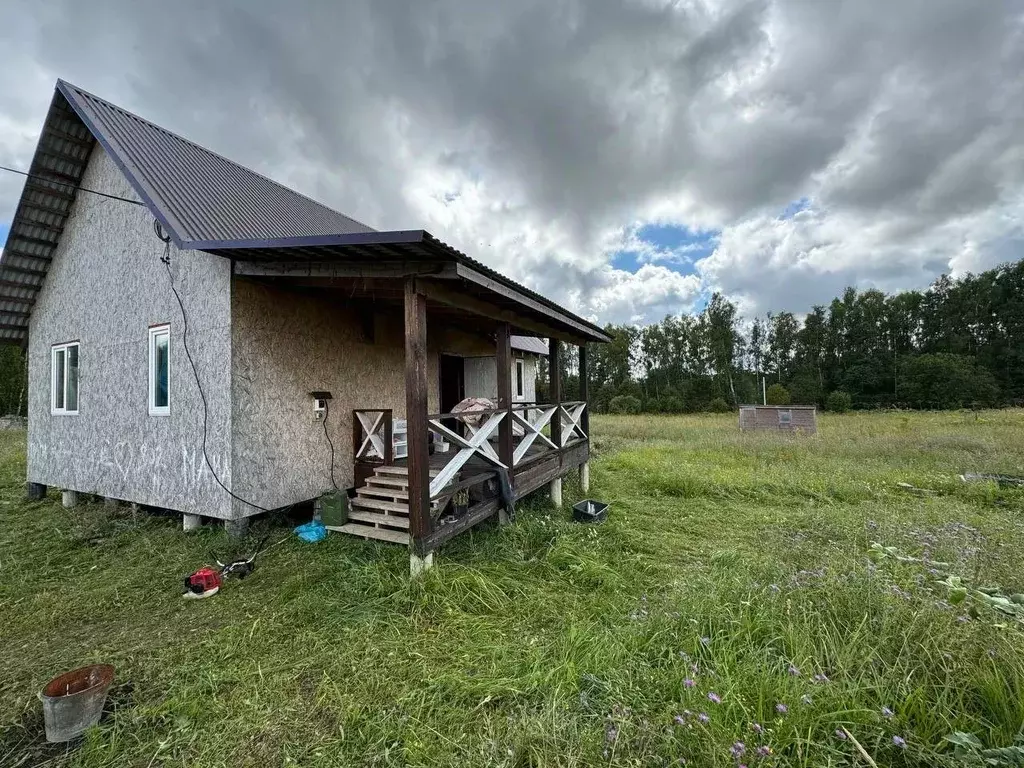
(482, 377)
(284, 346)
(106, 287)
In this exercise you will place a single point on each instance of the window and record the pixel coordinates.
(520, 391)
(785, 418)
(160, 370)
(64, 379)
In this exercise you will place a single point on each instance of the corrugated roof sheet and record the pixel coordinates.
(203, 200)
(202, 195)
(532, 344)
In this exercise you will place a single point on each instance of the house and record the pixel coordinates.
(205, 340)
(802, 419)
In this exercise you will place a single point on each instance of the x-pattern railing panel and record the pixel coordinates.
(532, 430)
(372, 433)
(475, 445)
(571, 414)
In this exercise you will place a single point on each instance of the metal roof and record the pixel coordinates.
(197, 194)
(530, 344)
(204, 202)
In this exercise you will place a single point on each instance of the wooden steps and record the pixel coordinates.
(380, 509)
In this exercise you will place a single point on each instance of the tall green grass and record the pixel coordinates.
(731, 564)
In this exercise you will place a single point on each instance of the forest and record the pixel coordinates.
(958, 344)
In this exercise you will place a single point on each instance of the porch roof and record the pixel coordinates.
(447, 275)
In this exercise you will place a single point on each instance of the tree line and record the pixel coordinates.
(960, 343)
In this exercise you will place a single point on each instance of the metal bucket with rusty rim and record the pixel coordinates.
(74, 701)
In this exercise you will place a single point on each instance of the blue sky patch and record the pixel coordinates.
(795, 207)
(4, 229)
(674, 247)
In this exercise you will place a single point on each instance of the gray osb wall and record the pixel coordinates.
(286, 345)
(105, 288)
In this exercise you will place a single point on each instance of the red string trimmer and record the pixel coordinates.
(207, 581)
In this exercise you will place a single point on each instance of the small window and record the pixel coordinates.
(785, 418)
(520, 379)
(160, 370)
(64, 379)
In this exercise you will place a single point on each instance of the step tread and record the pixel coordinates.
(389, 506)
(395, 521)
(369, 532)
(402, 471)
(384, 481)
(384, 492)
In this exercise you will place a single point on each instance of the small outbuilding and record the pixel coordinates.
(779, 418)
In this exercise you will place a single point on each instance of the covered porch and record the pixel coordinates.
(447, 471)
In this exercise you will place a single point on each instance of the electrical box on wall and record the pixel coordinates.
(320, 399)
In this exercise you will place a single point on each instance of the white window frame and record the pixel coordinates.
(64, 347)
(519, 378)
(154, 332)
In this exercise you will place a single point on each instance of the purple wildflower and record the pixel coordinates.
(781, 708)
(886, 712)
(764, 750)
(714, 698)
(899, 741)
(757, 728)
(737, 749)
(794, 670)
(806, 700)
(688, 683)
(840, 734)
(679, 720)
(703, 717)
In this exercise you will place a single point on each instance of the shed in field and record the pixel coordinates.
(779, 418)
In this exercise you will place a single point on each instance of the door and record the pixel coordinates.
(453, 385)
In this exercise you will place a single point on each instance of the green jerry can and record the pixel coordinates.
(334, 508)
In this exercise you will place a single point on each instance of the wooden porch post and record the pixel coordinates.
(416, 422)
(585, 418)
(555, 375)
(503, 361)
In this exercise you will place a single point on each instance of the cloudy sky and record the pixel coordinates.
(626, 158)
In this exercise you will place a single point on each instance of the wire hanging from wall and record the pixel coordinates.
(166, 259)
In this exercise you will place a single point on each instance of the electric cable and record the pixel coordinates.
(327, 413)
(68, 185)
(166, 259)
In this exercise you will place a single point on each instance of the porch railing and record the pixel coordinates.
(479, 425)
(373, 436)
(571, 418)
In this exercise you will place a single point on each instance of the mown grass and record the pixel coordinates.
(727, 559)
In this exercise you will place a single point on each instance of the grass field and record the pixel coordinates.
(727, 608)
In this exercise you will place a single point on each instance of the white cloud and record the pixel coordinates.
(539, 136)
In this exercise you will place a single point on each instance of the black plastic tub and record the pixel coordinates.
(590, 511)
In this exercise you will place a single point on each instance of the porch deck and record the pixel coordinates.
(471, 467)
